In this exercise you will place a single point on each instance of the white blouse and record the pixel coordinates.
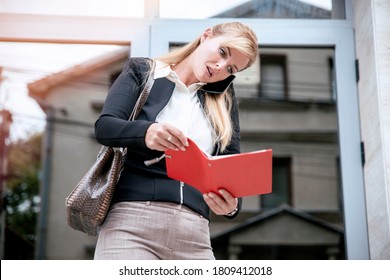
(184, 110)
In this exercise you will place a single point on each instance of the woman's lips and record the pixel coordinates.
(209, 71)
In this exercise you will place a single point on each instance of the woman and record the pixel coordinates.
(153, 216)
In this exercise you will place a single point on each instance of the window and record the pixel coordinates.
(273, 76)
(297, 74)
(281, 184)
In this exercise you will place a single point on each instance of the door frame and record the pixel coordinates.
(337, 34)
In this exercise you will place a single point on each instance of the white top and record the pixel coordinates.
(184, 110)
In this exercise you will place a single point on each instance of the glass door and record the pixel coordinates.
(291, 109)
(300, 100)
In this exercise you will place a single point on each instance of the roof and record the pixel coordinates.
(40, 88)
(300, 218)
(275, 9)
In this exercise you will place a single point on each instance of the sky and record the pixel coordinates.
(26, 62)
(129, 8)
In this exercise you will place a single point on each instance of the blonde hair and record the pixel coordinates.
(218, 106)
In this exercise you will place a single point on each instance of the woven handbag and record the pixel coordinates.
(88, 204)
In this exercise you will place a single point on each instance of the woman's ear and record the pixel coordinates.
(206, 34)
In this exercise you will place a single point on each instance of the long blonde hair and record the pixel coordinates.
(218, 106)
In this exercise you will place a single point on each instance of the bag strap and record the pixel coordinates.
(144, 94)
(141, 100)
(138, 105)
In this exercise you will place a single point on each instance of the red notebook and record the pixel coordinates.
(244, 174)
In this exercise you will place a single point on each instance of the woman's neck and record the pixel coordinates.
(184, 72)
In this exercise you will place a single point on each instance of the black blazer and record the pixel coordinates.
(139, 182)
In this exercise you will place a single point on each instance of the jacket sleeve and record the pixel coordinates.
(113, 127)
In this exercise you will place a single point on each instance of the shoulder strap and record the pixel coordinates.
(144, 94)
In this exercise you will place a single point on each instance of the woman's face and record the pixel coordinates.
(213, 62)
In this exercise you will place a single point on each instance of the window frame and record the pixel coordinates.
(286, 161)
(274, 59)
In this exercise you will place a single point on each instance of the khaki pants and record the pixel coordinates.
(152, 231)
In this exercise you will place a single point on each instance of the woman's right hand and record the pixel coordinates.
(163, 136)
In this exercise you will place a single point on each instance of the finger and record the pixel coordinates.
(177, 138)
(157, 136)
(183, 141)
(232, 201)
(214, 202)
(169, 143)
(221, 205)
(211, 204)
(172, 142)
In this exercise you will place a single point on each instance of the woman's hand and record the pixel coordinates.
(222, 204)
(163, 136)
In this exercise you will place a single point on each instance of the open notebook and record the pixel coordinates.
(244, 174)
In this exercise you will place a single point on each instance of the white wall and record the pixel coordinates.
(372, 23)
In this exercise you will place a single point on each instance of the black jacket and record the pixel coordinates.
(139, 182)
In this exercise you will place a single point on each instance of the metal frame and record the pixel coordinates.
(300, 33)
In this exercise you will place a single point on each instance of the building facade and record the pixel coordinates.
(318, 98)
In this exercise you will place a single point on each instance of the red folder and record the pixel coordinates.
(244, 174)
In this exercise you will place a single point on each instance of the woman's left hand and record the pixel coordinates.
(221, 204)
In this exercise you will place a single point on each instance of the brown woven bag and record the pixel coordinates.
(88, 204)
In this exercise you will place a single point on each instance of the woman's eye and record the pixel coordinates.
(222, 52)
(230, 70)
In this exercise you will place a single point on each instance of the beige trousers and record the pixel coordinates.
(153, 231)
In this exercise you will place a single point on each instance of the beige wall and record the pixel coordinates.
(314, 167)
(372, 24)
(74, 150)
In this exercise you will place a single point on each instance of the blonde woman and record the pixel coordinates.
(152, 216)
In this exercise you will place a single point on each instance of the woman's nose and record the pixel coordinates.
(219, 66)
